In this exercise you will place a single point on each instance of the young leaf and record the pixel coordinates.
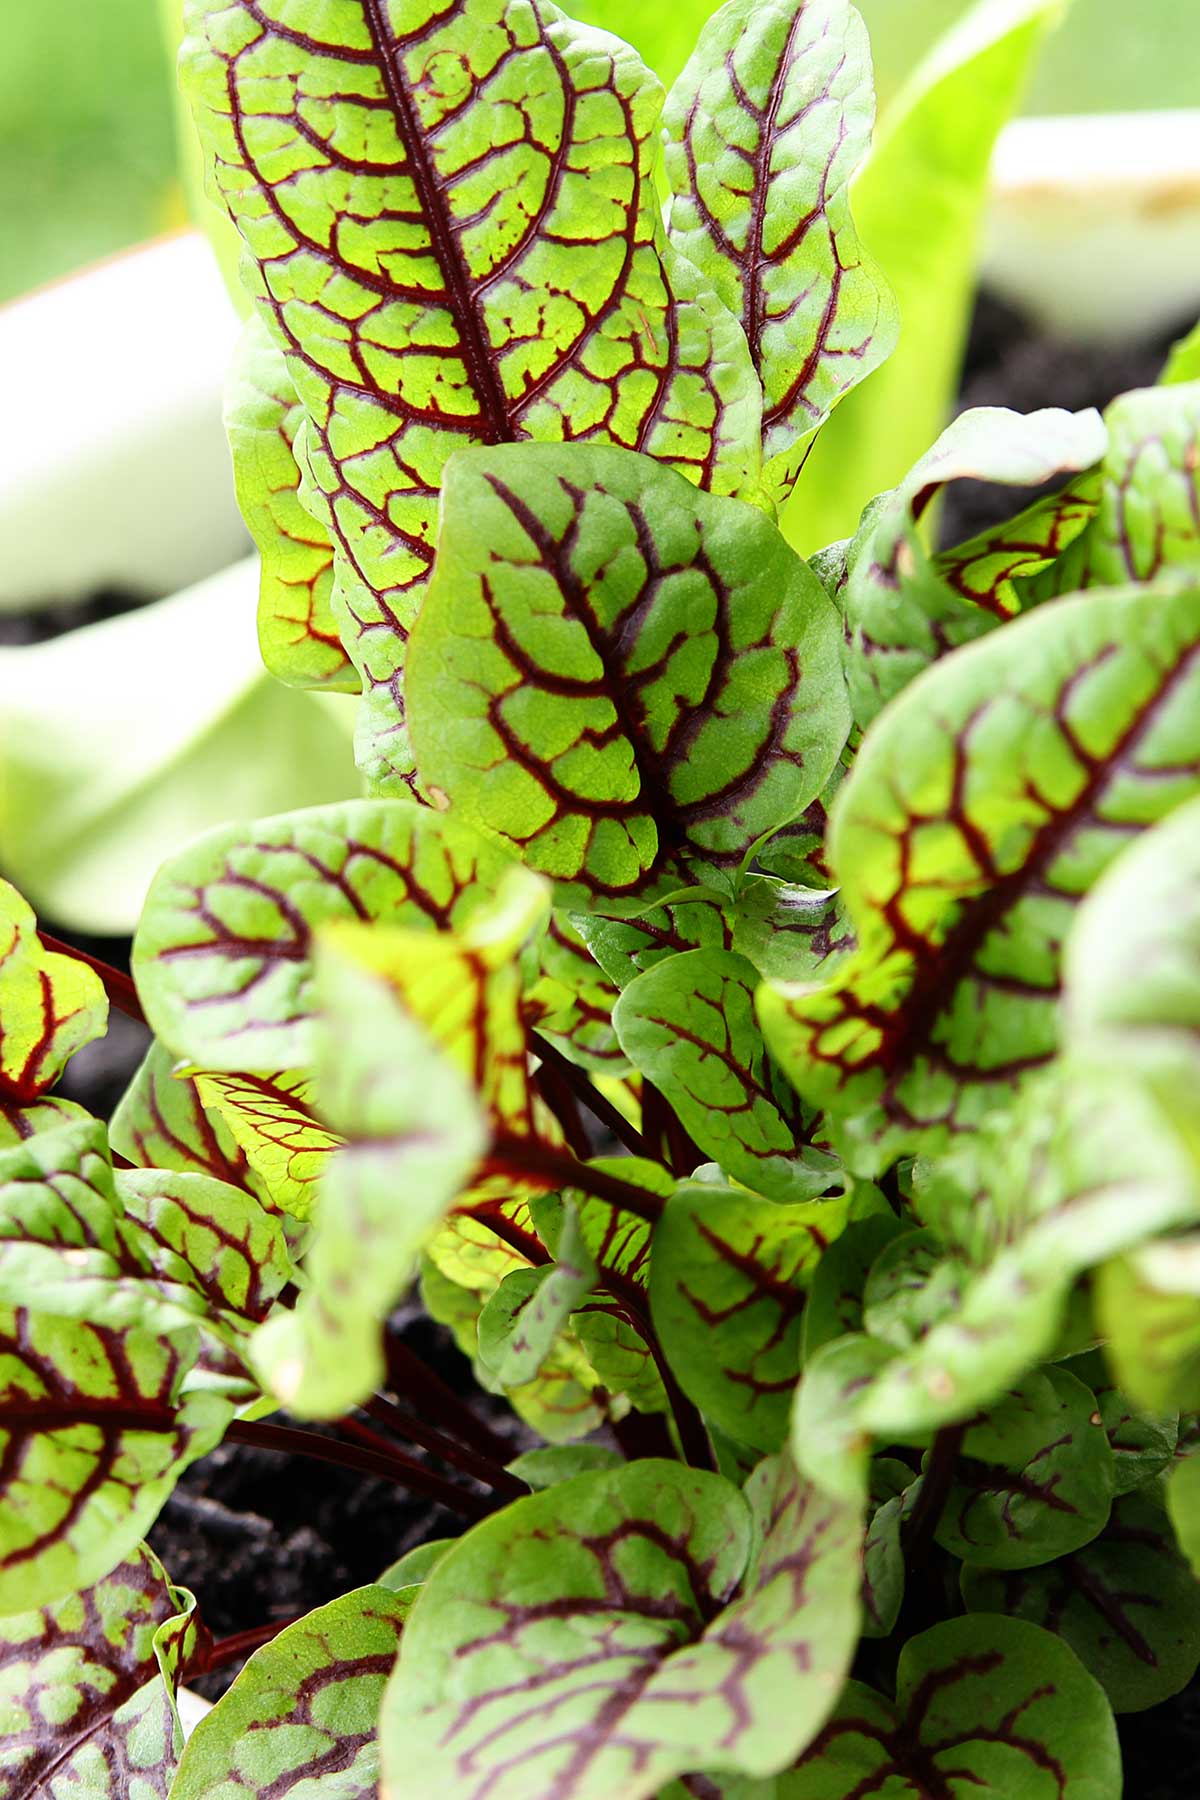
(909, 1287)
(829, 1441)
(765, 129)
(688, 1025)
(930, 163)
(893, 1489)
(904, 607)
(93, 1435)
(302, 1714)
(639, 1668)
(835, 1301)
(613, 671)
(297, 628)
(223, 955)
(1147, 517)
(1034, 1478)
(790, 933)
(53, 1006)
(985, 1706)
(1126, 1603)
(1183, 1505)
(570, 1000)
(87, 1688)
(728, 1275)
(434, 287)
(161, 1123)
(414, 1133)
(1143, 1443)
(1148, 1307)
(269, 1118)
(982, 806)
(624, 948)
(520, 1322)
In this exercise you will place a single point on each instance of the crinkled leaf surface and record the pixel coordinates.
(302, 1715)
(728, 1275)
(53, 1006)
(270, 1119)
(223, 955)
(1033, 1479)
(688, 1025)
(87, 1688)
(765, 129)
(986, 1706)
(93, 1434)
(297, 628)
(453, 235)
(612, 671)
(642, 1664)
(983, 805)
(414, 1132)
(1126, 1603)
(904, 607)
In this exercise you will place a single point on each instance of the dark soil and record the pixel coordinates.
(259, 1536)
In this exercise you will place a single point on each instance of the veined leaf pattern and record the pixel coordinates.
(162, 1123)
(271, 1121)
(87, 1687)
(223, 955)
(765, 129)
(453, 234)
(981, 808)
(53, 1006)
(93, 1434)
(613, 671)
(297, 626)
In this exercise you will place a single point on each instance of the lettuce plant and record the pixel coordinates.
(757, 999)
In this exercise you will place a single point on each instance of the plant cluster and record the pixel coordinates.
(757, 998)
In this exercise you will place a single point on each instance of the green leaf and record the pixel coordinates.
(903, 606)
(1147, 517)
(302, 1715)
(223, 955)
(297, 626)
(53, 1006)
(688, 1025)
(790, 933)
(612, 670)
(270, 1119)
(161, 1123)
(728, 1276)
(414, 1133)
(625, 948)
(643, 1664)
(919, 202)
(1143, 1443)
(416, 270)
(87, 1688)
(520, 1322)
(1126, 1603)
(1148, 1307)
(1033, 1479)
(1183, 364)
(835, 1302)
(570, 1000)
(910, 1286)
(765, 129)
(893, 1488)
(93, 1435)
(983, 804)
(829, 1441)
(546, 1467)
(1183, 1505)
(986, 1705)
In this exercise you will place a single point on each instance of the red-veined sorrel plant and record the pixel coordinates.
(851, 909)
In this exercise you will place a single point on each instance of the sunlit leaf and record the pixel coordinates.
(302, 1714)
(983, 805)
(223, 955)
(53, 1006)
(297, 628)
(434, 287)
(570, 1000)
(765, 129)
(161, 1123)
(612, 671)
(93, 1435)
(270, 1119)
(986, 1704)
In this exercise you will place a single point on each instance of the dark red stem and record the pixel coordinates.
(927, 1509)
(240, 1644)
(117, 985)
(576, 1079)
(405, 1471)
(415, 1382)
(559, 1169)
(479, 1468)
